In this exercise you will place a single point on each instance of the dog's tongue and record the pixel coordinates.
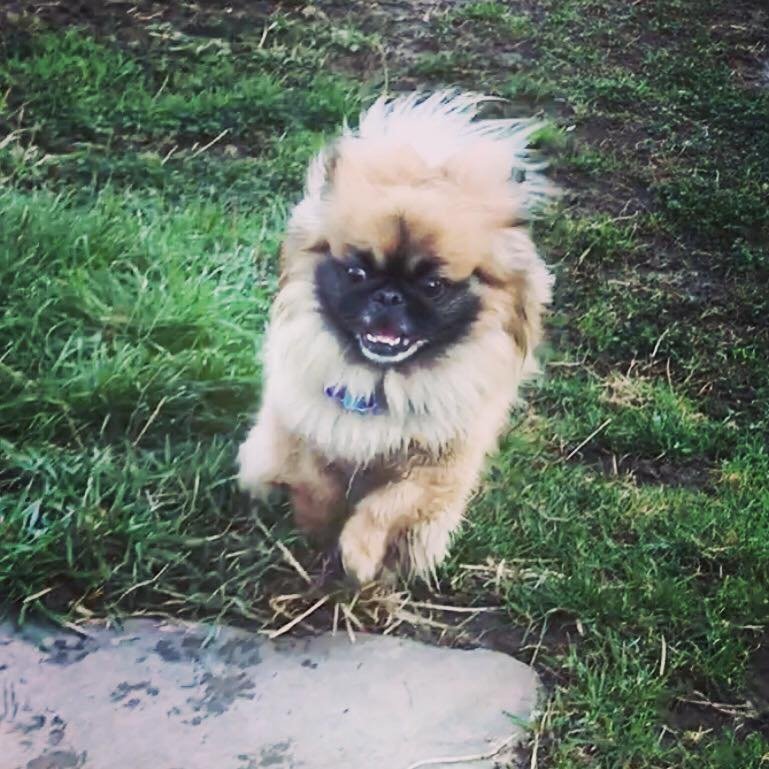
(386, 334)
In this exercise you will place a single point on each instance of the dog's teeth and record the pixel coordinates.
(390, 341)
(401, 348)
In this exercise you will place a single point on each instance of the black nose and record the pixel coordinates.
(388, 297)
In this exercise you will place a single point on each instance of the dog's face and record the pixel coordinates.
(408, 261)
(392, 312)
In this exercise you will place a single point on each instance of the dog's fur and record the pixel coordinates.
(426, 169)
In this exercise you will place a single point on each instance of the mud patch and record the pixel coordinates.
(695, 473)
(180, 648)
(34, 724)
(240, 653)
(221, 693)
(694, 718)
(123, 690)
(277, 755)
(67, 651)
(703, 710)
(757, 677)
(58, 759)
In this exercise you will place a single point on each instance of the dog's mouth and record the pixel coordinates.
(385, 348)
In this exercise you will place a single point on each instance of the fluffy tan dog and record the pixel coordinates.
(408, 313)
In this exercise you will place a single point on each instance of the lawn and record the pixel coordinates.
(149, 153)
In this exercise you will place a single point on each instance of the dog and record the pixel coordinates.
(407, 316)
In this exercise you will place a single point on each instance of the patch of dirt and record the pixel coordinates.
(695, 716)
(745, 32)
(12, 479)
(758, 674)
(686, 716)
(691, 474)
(110, 16)
(744, 713)
(695, 473)
(465, 618)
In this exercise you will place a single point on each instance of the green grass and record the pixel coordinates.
(625, 522)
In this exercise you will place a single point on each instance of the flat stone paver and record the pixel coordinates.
(161, 695)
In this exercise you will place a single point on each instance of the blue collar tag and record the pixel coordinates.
(362, 405)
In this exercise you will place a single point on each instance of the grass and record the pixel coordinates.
(147, 165)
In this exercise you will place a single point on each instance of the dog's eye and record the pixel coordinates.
(433, 287)
(356, 274)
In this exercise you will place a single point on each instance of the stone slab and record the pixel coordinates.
(166, 695)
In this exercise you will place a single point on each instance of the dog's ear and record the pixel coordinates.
(520, 273)
(320, 173)
(305, 231)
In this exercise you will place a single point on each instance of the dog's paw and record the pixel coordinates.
(426, 550)
(254, 468)
(363, 549)
(420, 550)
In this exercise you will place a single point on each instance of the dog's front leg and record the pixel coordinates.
(264, 455)
(417, 514)
(270, 456)
(369, 530)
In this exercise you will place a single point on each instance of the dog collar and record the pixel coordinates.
(361, 405)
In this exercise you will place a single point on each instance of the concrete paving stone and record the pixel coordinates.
(165, 695)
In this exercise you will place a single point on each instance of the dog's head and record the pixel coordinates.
(412, 232)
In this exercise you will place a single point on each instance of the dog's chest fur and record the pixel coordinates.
(428, 409)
